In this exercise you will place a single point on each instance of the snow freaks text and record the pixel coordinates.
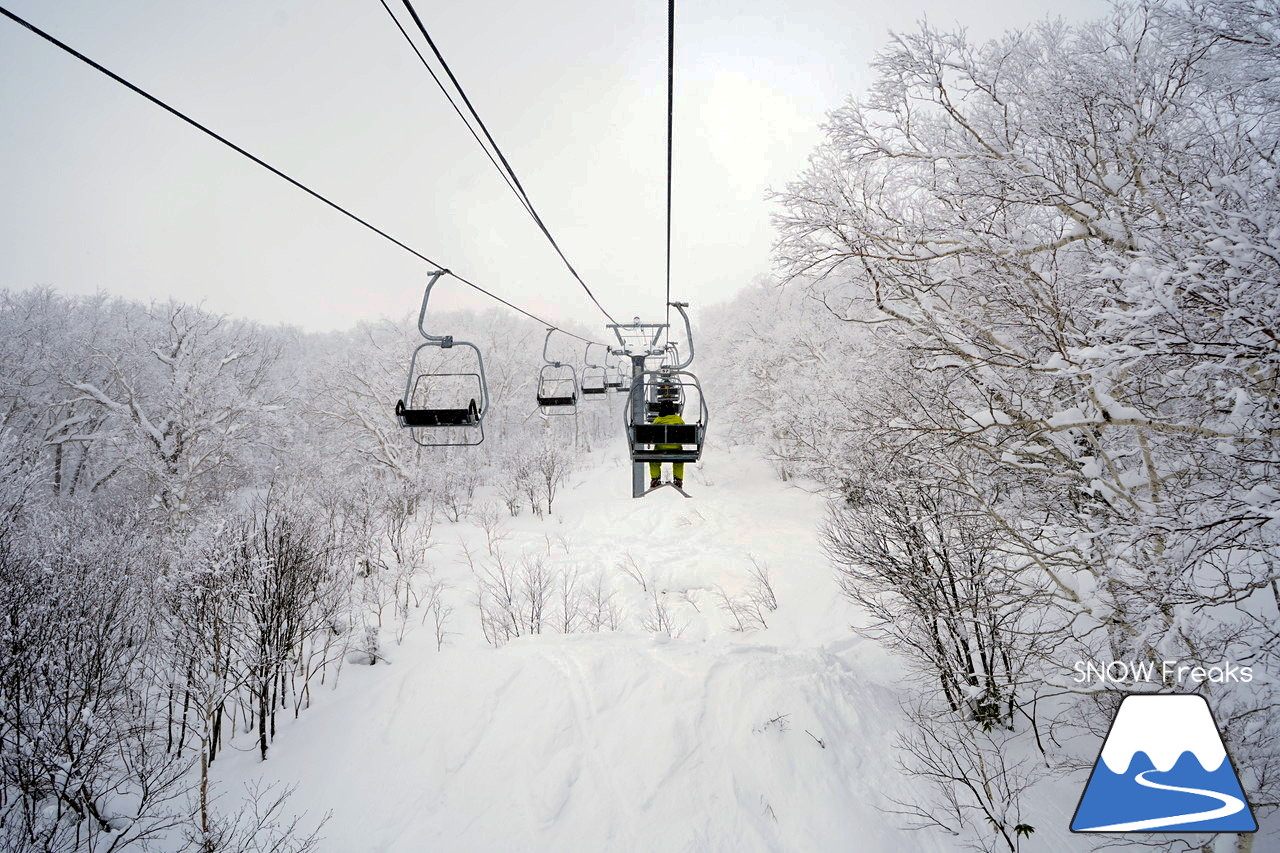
(1167, 672)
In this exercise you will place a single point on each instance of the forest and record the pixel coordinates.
(1022, 336)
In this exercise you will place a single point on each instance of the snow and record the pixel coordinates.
(778, 739)
(1114, 182)
(596, 742)
(989, 417)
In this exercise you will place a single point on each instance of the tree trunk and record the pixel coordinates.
(264, 687)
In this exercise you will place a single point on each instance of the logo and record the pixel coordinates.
(1163, 768)
(1168, 672)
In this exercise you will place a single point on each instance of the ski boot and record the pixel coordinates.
(654, 483)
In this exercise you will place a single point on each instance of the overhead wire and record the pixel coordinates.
(514, 179)
(449, 97)
(264, 164)
(671, 89)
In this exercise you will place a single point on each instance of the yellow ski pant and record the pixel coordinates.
(655, 470)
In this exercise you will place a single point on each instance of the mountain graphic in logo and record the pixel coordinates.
(1163, 768)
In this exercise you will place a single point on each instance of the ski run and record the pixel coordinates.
(698, 737)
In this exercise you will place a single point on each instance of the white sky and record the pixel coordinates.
(103, 191)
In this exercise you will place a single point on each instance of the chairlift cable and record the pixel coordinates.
(671, 83)
(184, 117)
(510, 171)
(449, 97)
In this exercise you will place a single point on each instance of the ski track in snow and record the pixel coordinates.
(620, 741)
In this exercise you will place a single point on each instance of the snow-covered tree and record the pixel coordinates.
(83, 760)
(1064, 244)
(187, 392)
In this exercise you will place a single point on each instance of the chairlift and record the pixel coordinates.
(420, 410)
(616, 376)
(557, 385)
(665, 389)
(650, 442)
(654, 387)
(594, 376)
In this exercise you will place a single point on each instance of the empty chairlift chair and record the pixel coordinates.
(594, 376)
(443, 408)
(617, 377)
(557, 385)
(613, 381)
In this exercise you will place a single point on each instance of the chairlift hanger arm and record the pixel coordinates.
(688, 333)
(444, 341)
(545, 342)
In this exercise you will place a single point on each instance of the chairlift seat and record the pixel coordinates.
(571, 400)
(667, 433)
(469, 416)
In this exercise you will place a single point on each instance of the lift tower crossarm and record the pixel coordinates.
(637, 326)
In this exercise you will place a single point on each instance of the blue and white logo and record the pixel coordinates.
(1163, 768)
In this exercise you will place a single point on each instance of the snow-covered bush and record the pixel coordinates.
(83, 752)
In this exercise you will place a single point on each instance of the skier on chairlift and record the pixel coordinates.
(667, 415)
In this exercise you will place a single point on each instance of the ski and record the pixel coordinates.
(672, 485)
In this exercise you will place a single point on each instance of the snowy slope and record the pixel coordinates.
(777, 739)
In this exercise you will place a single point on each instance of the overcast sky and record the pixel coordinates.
(103, 191)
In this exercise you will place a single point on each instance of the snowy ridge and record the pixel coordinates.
(1164, 727)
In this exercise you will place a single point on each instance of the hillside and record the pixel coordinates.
(711, 739)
